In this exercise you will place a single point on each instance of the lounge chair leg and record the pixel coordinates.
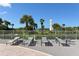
(59, 43)
(41, 43)
(6, 43)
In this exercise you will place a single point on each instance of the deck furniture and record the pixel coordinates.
(44, 40)
(62, 42)
(13, 41)
(28, 41)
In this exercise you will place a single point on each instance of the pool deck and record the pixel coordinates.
(57, 50)
(38, 50)
(7, 50)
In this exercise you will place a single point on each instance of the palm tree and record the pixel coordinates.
(28, 20)
(42, 21)
(12, 25)
(56, 26)
(25, 19)
(35, 26)
(7, 23)
(42, 25)
(63, 26)
(31, 23)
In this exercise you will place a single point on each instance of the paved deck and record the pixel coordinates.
(57, 50)
(7, 50)
(37, 49)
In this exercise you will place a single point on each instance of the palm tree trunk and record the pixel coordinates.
(26, 25)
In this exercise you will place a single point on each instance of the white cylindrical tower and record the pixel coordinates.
(51, 23)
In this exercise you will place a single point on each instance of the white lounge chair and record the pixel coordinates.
(62, 42)
(44, 40)
(13, 41)
(27, 41)
(30, 39)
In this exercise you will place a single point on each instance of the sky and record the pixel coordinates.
(67, 14)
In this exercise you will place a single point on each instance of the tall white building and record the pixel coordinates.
(51, 23)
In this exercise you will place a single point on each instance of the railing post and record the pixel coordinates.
(76, 34)
(3, 35)
(41, 42)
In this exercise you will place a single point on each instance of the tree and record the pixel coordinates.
(28, 20)
(63, 26)
(42, 25)
(7, 23)
(69, 28)
(56, 26)
(12, 25)
(35, 26)
(1, 21)
(4, 24)
(25, 19)
(41, 21)
(31, 23)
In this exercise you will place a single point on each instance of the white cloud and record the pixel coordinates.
(3, 13)
(5, 4)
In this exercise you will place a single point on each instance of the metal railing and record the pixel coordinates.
(9, 34)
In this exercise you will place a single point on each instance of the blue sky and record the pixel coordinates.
(60, 13)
